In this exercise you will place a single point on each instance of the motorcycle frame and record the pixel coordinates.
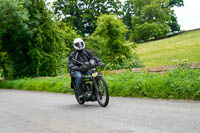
(94, 85)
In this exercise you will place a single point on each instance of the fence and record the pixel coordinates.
(161, 69)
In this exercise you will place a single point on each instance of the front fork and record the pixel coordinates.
(96, 88)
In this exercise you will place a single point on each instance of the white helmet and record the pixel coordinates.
(79, 44)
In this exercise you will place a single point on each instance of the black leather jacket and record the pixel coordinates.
(81, 56)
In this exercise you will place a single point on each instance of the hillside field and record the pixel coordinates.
(162, 52)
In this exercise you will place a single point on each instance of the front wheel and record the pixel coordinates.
(102, 92)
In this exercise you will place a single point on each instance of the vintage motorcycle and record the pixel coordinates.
(93, 87)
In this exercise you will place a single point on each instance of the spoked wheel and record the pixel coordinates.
(80, 101)
(103, 93)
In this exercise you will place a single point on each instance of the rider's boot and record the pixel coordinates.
(79, 91)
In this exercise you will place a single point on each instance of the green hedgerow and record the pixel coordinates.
(177, 84)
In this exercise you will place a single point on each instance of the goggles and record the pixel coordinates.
(79, 45)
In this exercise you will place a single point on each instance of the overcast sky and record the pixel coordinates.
(188, 16)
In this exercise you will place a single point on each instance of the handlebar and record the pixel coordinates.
(87, 64)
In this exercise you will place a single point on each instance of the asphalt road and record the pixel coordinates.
(41, 112)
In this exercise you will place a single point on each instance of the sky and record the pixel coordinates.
(188, 16)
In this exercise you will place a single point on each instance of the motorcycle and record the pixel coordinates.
(93, 87)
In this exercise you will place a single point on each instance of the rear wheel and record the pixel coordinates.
(80, 101)
(102, 93)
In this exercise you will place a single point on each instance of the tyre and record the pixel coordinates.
(102, 93)
(80, 101)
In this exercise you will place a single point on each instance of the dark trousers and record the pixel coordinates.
(78, 79)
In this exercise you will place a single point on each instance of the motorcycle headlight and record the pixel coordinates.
(92, 62)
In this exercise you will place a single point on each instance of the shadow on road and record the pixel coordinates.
(78, 107)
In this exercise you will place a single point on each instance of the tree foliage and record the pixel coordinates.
(13, 27)
(178, 3)
(131, 7)
(108, 40)
(173, 24)
(68, 35)
(34, 42)
(5, 65)
(83, 14)
(128, 13)
(148, 31)
(150, 20)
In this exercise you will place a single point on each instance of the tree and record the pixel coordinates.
(69, 35)
(13, 27)
(31, 38)
(83, 14)
(178, 3)
(128, 13)
(109, 39)
(173, 24)
(150, 20)
(46, 43)
(5, 65)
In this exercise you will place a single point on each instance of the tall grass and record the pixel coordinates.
(57, 84)
(177, 84)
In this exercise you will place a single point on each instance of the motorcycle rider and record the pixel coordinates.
(78, 56)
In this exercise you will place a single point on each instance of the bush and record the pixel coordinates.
(6, 70)
(96, 44)
(58, 84)
(177, 84)
(108, 41)
(68, 35)
(136, 62)
(112, 31)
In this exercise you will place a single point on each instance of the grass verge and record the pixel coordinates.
(57, 84)
(177, 84)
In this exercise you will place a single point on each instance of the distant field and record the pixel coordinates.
(162, 52)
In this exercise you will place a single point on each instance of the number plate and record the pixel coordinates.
(94, 74)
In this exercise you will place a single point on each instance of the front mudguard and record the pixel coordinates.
(99, 76)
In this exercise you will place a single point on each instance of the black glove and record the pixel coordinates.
(75, 68)
(101, 64)
(83, 68)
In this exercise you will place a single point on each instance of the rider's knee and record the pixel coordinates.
(78, 75)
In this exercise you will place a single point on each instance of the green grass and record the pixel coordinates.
(162, 52)
(57, 84)
(177, 84)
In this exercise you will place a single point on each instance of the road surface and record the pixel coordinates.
(41, 112)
